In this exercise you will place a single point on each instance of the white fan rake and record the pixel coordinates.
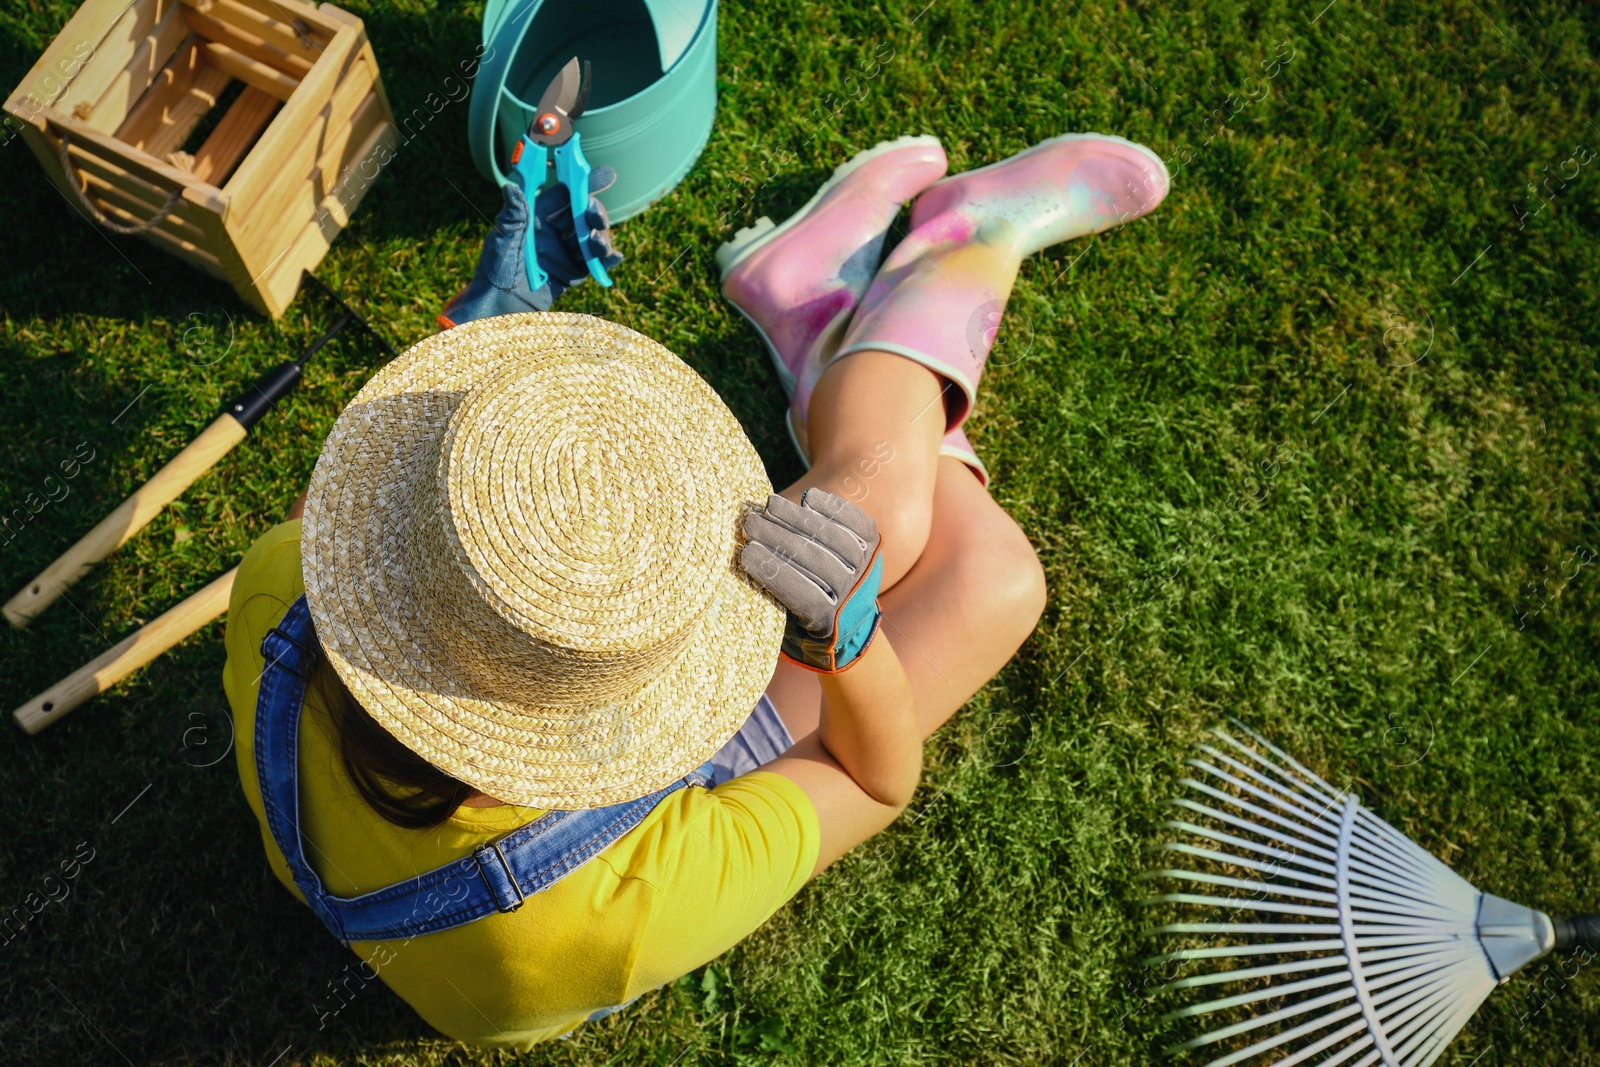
(1354, 946)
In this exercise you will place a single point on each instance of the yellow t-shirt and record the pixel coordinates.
(702, 871)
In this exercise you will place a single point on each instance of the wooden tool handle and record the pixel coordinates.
(131, 516)
(127, 656)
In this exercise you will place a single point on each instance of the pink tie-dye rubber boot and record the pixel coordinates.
(938, 297)
(798, 282)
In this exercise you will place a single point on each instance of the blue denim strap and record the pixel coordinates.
(498, 876)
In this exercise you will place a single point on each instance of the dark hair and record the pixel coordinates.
(397, 783)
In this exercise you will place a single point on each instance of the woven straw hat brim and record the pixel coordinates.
(520, 551)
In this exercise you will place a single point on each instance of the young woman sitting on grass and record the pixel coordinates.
(493, 689)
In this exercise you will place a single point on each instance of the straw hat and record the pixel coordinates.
(520, 551)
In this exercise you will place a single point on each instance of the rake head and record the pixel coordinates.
(1339, 941)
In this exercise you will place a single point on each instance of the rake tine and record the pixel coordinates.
(1269, 781)
(1249, 827)
(1290, 1012)
(1246, 928)
(1241, 883)
(1277, 870)
(1232, 951)
(1332, 1039)
(1317, 963)
(1258, 811)
(1264, 850)
(1301, 1031)
(1286, 758)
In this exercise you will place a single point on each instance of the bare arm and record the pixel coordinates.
(820, 559)
(860, 769)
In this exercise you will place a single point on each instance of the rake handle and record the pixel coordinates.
(131, 516)
(1577, 931)
(128, 655)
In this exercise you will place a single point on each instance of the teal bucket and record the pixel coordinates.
(654, 87)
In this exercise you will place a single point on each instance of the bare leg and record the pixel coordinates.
(973, 596)
(873, 433)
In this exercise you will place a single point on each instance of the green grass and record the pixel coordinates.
(1309, 304)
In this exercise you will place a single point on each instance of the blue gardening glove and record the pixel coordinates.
(821, 560)
(500, 284)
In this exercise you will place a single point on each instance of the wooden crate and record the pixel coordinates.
(265, 185)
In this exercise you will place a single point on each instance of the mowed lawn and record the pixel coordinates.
(1312, 446)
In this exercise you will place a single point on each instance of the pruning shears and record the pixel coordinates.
(550, 132)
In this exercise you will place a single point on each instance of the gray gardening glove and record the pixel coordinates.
(821, 560)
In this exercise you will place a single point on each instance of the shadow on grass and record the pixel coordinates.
(138, 917)
(172, 942)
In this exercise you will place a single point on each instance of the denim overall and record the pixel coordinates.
(496, 877)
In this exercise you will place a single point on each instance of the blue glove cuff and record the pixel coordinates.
(854, 626)
(858, 617)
